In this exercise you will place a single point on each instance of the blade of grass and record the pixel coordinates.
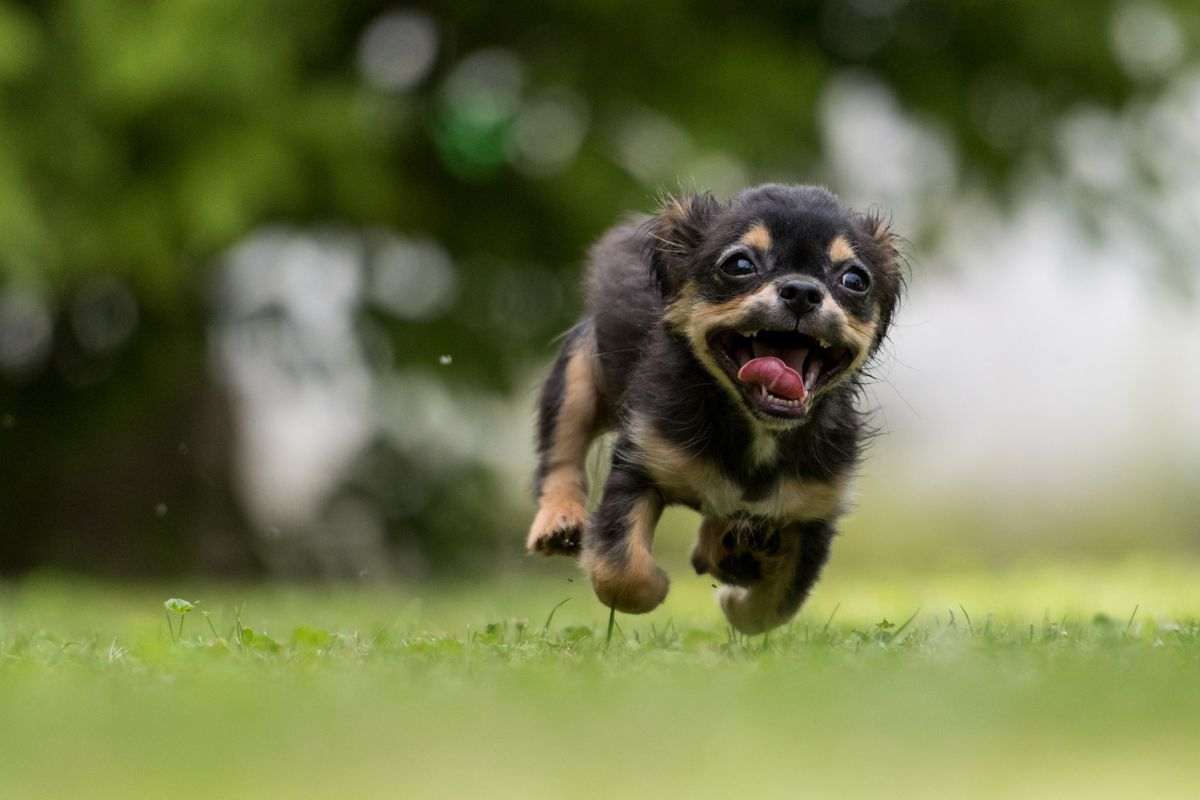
(212, 627)
(1129, 624)
(832, 614)
(550, 616)
(900, 630)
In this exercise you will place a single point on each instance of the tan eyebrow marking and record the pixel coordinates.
(757, 237)
(840, 249)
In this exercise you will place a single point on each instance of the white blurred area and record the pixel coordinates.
(290, 344)
(1052, 348)
(284, 344)
(1043, 366)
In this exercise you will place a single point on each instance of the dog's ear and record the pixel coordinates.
(675, 232)
(885, 240)
(885, 255)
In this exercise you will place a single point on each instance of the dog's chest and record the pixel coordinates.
(701, 484)
(785, 499)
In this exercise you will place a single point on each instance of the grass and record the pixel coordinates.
(1059, 680)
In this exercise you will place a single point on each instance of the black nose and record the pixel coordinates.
(801, 296)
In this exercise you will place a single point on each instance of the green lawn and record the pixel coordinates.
(1020, 682)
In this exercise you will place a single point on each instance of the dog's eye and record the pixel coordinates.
(856, 279)
(738, 265)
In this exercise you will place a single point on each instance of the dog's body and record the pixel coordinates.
(723, 343)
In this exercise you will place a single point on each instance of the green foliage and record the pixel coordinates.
(257, 641)
(144, 139)
(306, 637)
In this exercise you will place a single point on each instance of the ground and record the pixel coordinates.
(1059, 680)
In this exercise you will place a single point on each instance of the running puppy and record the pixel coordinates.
(724, 343)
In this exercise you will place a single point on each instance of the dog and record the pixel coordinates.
(724, 342)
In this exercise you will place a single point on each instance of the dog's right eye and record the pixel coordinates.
(738, 265)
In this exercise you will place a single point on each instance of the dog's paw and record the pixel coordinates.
(750, 611)
(557, 529)
(631, 590)
(738, 551)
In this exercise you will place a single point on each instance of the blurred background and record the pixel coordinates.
(277, 279)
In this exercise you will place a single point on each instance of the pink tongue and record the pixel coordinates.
(769, 371)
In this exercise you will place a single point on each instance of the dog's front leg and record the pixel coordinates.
(566, 425)
(617, 546)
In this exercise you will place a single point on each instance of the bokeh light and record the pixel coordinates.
(398, 50)
(413, 279)
(1146, 38)
(26, 329)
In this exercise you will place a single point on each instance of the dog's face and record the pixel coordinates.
(781, 293)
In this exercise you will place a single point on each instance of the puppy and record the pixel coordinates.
(724, 342)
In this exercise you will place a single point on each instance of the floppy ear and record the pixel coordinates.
(675, 233)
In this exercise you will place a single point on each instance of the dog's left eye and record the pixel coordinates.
(738, 265)
(856, 279)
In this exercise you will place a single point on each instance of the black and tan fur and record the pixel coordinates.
(647, 360)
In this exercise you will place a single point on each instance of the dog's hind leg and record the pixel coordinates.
(775, 598)
(567, 423)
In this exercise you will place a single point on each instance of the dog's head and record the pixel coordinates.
(781, 293)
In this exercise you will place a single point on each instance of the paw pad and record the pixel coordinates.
(565, 540)
(557, 531)
(739, 555)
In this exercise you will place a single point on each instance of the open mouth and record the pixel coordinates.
(779, 371)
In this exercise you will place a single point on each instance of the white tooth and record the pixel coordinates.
(824, 343)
